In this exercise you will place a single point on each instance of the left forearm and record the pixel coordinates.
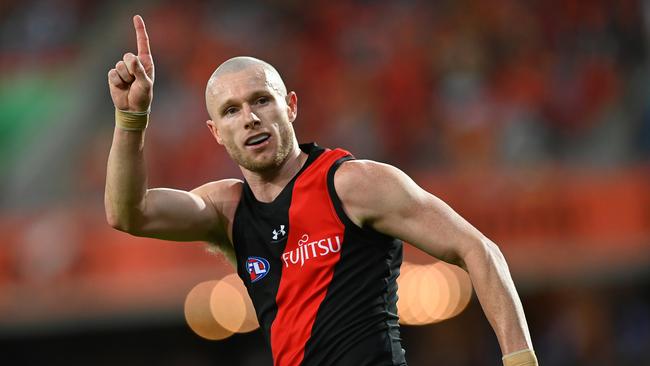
(498, 297)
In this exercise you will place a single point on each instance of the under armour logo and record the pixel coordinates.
(279, 233)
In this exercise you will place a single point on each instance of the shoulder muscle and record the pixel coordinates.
(369, 190)
(384, 198)
(223, 197)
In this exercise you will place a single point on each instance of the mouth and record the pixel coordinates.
(257, 140)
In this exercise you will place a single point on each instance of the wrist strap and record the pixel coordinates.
(131, 121)
(524, 357)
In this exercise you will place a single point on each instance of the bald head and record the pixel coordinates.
(253, 65)
(245, 97)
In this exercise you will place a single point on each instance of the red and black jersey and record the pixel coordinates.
(324, 289)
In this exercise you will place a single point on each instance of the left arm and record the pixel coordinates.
(384, 198)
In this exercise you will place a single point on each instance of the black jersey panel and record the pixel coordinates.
(357, 322)
(360, 308)
(259, 235)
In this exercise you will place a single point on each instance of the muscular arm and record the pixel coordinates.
(201, 214)
(161, 212)
(384, 198)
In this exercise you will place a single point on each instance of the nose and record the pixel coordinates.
(251, 120)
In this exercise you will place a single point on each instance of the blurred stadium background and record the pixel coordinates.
(530, 117)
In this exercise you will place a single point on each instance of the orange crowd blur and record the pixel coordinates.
(567, 221)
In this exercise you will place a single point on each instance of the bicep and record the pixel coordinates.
(197, 215)
(176, 215)
(396, 206)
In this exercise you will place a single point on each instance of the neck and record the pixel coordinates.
(267, 185)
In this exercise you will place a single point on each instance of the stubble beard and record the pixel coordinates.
(285, 145)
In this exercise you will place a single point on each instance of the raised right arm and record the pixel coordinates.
(200, 215)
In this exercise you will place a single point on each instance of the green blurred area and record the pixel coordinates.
(29, 102)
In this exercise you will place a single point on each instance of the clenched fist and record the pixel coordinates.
(131, 81)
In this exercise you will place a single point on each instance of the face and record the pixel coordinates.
(252, 119)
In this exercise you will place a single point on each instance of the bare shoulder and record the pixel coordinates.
(353, 169)
(358, 176)
(225, 189)
(223, 194)
(366, 188)
(386, 199)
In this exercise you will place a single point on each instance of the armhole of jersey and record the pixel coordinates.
(338, 205)
(236, 221)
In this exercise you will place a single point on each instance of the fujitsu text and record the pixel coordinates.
(308, 250)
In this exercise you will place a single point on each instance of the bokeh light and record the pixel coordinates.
(241, 301)
(531, 119)
(227, 306)
(431, 293)
(453, 292)
(198, 313)
(465, 286)
(218, 308)
(434, 293)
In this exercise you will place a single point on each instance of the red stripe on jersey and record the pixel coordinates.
(312, 251)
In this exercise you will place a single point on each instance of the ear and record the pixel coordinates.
(214, 130)
(292, 106)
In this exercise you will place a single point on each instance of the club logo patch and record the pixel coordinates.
(257, 268)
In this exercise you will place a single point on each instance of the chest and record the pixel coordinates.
(300, 234)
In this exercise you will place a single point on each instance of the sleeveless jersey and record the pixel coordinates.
(323, 288)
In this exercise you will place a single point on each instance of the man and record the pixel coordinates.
(311, 231)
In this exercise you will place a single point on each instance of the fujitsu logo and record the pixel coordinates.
(308, 250)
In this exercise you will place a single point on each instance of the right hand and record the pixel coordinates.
(131, 81)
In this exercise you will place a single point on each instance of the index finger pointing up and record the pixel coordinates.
(141, 36)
